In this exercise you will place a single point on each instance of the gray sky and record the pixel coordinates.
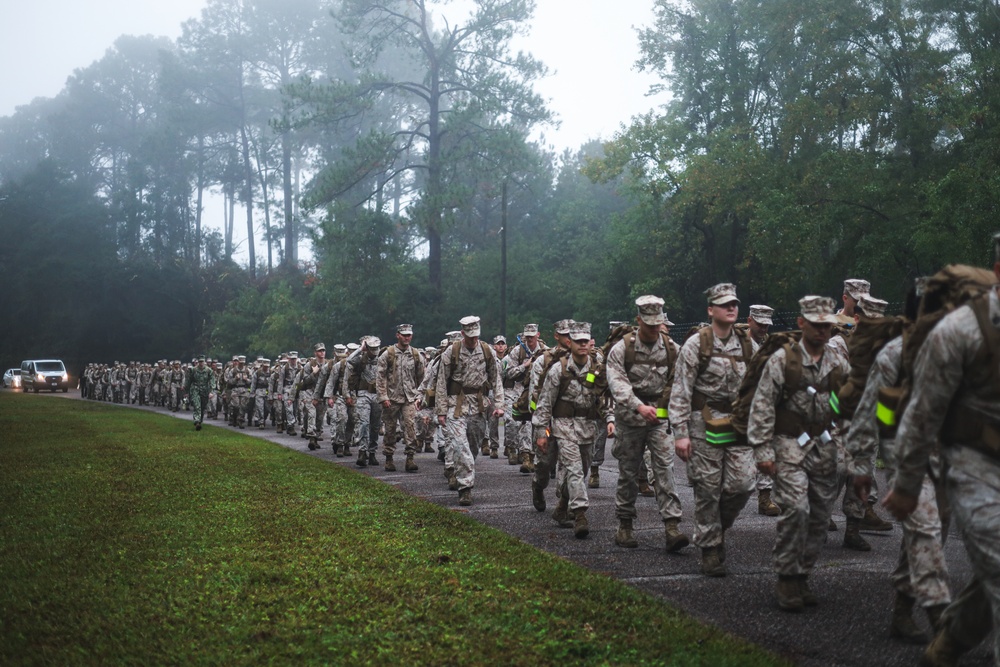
(589, 45)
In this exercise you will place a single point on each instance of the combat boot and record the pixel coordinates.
(465, 497)
(527, 462)
(347, 450)
(789, 593)
(537, 497)
(452, 480)
(624, 537)
(645, 489)
(808, 597)
(494, 454)
(595, 477)
(934, 613)
(580, 527)
(711, 566)
(902, 625)
(362, 461)
(389, 465)
(313, 445)
(676, 540)
(944, 651)
(372, 459)
(410, 465)
(427, 447)
(853, 539)
(872, 521)
(765, 505)
(291, 431)
(485, 449)
(561, 513)
(441, 453)
(340, 451)
(512, 457)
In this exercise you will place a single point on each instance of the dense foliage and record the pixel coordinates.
(804, 142)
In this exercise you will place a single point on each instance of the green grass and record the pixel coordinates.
(127, 538)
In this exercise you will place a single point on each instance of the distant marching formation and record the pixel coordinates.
(800, 416)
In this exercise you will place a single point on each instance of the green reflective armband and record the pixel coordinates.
(885, 414)
(835, 403)
(720, 439)
(532, 406)
(662, 413)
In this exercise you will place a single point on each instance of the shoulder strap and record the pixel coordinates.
(706, 341)
(793, 368)
(629, 339)
(745, 343)
(489, 358)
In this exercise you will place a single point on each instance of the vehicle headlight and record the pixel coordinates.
(40, 377)
(65, 377)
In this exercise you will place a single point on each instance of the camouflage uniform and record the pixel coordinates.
(359, 385)
(571, 425)
(643, 383)
(312, 409)
(285, 391)
(921, 572)
(199, 383)
(175, 386)
(805, 475)
(948, 376)
(332, 375)
(516, 375)
(463, 382)
(723, 477)
(397, 382)
(260, 385)
(238, 379)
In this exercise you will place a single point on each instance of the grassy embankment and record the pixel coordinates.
(126, 537)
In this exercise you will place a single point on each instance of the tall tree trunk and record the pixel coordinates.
(248, 200)
(286, 186)
(201, 194)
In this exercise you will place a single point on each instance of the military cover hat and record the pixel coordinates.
(762, 314)
(241, 358)
(872, 307)
(470, 326)
(580, 331)
(264, 362)
(818, 309)
(615, 323)
(855, 288)
(562, 326)
(340, 348)
(351, 347)
(530, 330)
(721, 294)
(650, 309)
(372, 342)
(405, 329)
(201, 357)
(293, 354)
(453, 336)
(319, 346)
(499, 339)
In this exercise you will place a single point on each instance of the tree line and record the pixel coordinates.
(804, 142)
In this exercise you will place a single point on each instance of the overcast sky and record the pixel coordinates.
(589, 45)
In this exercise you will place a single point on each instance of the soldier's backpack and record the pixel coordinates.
(390, 358)
(456, 359)
(785, 420)
(866, 341)
(525, 404)
(592, 384)
(947, 290)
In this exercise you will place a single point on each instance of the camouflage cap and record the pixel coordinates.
(818, 309)
(562, 327)
(264, 362)
(319, 346)
(432, 350)
(615, 323)
(580, 331)
(855, 287)
(293, 354)
(444, 342)
(405, 329)
(872, 307)
(470, 326)
(500, 339)
(762, 314)
(453, 336)
(340, 348)
(201, 357)
(721, 294)
(351, 347)
(241, 358)
(371, 342)
(530, 330)
(650, 309)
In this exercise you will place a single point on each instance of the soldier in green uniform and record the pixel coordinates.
(200, 383)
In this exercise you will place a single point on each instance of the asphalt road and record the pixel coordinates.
(848, 628)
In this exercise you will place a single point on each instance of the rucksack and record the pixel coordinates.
(946, 291)
(787, 340)
(706, 345)
(525, 403)
(390, 358)
(866, 341)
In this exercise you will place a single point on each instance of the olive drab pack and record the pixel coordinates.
(786, 421)
(525, 403)
(592, 383)
(390, 358)
(954, 286)
(662, 403)
(489, 356)
(867, 340)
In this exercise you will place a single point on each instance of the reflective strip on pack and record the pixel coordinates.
(662, 413)
(835, 403)
(885, 414)
(720, 439)
(591, 377)
(532, 406)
